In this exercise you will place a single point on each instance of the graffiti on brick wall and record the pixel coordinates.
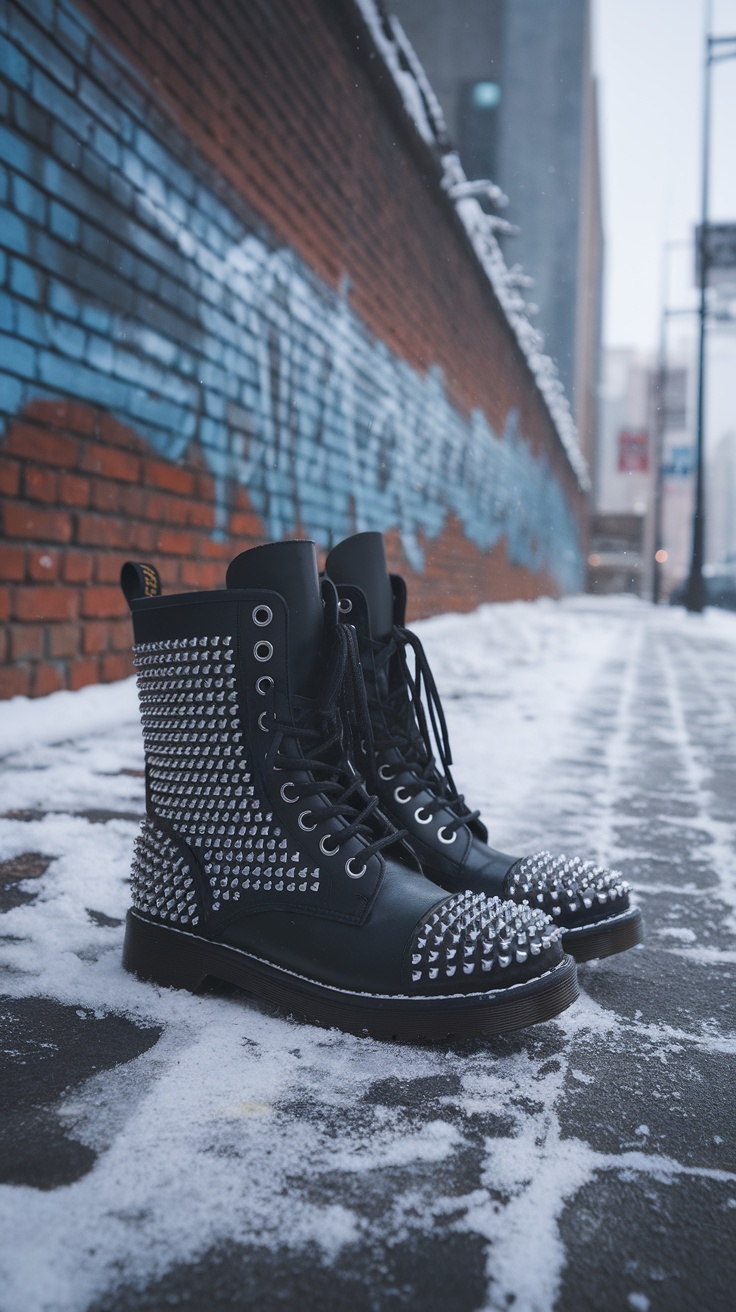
(132, 286)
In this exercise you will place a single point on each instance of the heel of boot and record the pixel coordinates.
(163, 956)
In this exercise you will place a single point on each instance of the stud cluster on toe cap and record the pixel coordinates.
(564, 884)
(471, 934)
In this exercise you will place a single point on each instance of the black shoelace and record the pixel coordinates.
(415, 732)
(321, 741)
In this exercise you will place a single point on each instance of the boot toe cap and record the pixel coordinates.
(472, 944)
(570, 890)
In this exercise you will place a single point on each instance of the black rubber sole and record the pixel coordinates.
(605, 937)
(175, 958)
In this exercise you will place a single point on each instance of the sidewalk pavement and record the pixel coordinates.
(161, 1150)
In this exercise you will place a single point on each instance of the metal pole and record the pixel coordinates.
(695, 594)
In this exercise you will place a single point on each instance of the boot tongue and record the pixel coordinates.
(289, 568)
(361, 561)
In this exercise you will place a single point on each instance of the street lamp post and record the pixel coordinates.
(717, 48)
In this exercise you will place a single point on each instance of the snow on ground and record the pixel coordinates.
(595, 725)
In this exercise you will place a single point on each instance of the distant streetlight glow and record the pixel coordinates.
(661, 557)
(486, 95)
(594, 560)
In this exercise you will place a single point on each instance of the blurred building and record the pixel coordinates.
(644, 420)
(515, 82)
(721, 503)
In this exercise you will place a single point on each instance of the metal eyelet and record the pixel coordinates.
(262, 615)
(307, 828)
(398, 794)
(346, 605)
(288, 784)
(328, 851)
(354, 874)
(382, 773)
(452, 837)
(263, 651)
(418, 816)
(263, 684)
(261, 718)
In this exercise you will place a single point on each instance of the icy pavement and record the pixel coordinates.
(162, 1150)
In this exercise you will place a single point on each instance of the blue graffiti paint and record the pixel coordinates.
(196, 331)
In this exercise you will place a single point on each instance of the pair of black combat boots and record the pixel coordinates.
(304, 838)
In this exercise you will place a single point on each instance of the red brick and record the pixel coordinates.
(33, 443)
(15, 681)
(26, 642)
(168, 477)
(204, 488)
(98, 531)
(43, 565)
(142, 537)
(113, 433)
(133, 501)
(12, 562)
(40, 484)
(4, 645)
(4, 603)
(96, 637)
(111, 462)
(9, 477)
(175, 542)
(218, 550)
(170, 572)
(40, 603)
(108, 496)
(74, 490)
(165, 509)
(102, 602)
(108, 566)
(78, 417)
(81, 673)
(77, 566)
(121, 635)
(63, 639)
(201, 575)
(41, 525)
(116, 666)
(244, 524)
(45, 679)
(198, 515)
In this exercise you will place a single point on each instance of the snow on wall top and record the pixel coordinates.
(423, 107)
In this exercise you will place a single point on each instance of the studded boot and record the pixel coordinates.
(265, 861)
(417, 791)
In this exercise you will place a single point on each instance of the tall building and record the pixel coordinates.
(515, 82)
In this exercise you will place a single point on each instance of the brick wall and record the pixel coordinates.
(235, 305)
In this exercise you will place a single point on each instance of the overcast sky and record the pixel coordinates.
(649, 57)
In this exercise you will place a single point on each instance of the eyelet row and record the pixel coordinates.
(350, 870)
(263, 651)
(421, 816)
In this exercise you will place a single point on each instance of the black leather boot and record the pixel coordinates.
(418, 792)
(264, 861)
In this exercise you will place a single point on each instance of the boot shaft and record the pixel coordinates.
(226, 832)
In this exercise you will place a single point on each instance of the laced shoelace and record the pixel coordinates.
(324, 733)
(416, 733)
